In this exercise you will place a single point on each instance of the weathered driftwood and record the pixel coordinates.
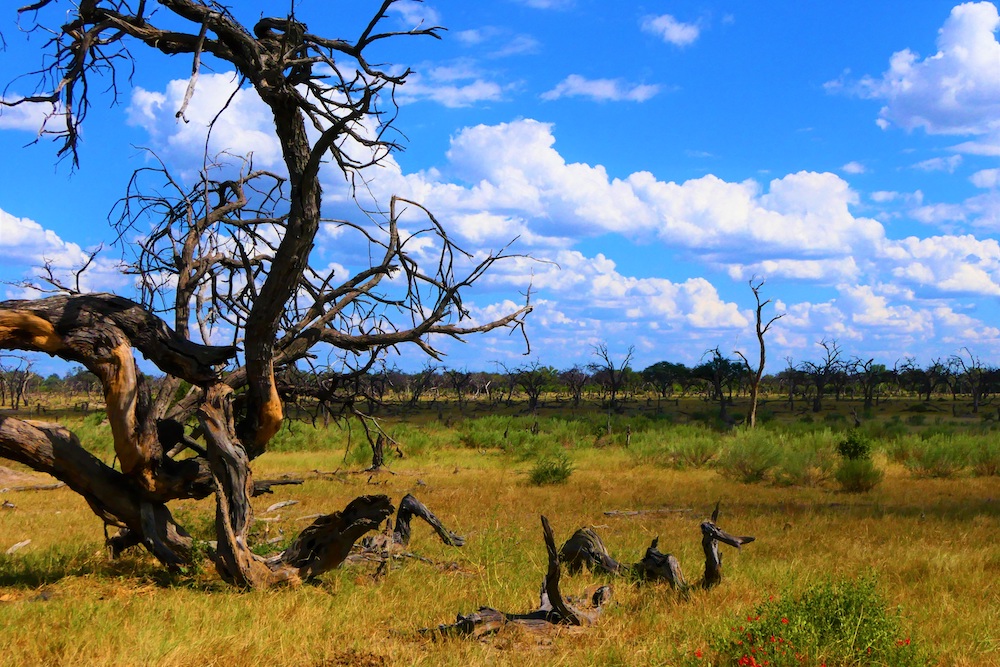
(711, 536)
(585, 548)
(553, 609)
(386, 545)
(410, 507)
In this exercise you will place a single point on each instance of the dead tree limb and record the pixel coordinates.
(410, 507)
(553, 609)
(585, 548)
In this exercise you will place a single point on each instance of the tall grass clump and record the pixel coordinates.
(510, 434)
(857, 473)
(833, 623)
(680, 447)
(750, 455)
(415, 441)
(985, 458)
(553, 467)
(940, 456)
(808, 459)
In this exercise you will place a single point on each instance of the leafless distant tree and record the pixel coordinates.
(230, 258)
(975, 376)
(16, 377)
(534, 379)
(822, 372)
(575, 379)
(610, 374)
(757, 373)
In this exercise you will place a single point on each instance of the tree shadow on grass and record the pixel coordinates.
(34, 570)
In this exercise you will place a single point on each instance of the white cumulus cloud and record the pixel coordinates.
(670, 30)
(954, 91)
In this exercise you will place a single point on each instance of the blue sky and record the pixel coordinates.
(654, 156)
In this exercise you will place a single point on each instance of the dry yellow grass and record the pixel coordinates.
(931, 543)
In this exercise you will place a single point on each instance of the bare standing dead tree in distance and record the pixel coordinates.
(230, 258)
(757, 373)
(610, 374)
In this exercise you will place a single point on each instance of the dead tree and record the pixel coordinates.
(553, 608)
(757, 373)
(229, 256)
(821, 373)
(610, 375)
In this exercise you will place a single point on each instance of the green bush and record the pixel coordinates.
(858, 475)
(857, 445)
(845, 623)
(552, 468)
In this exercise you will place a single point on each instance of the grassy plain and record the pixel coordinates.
(929, 538)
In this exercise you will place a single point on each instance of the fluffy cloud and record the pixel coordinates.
(513, 178)
(583, 283)
(414, 13)
(26, 243)
(954, 91)
(986, 178)
(457, 84)
(854, 168)
(246, 125)
(947, 264)
(670, 30)
(601, 90)
(30, 117)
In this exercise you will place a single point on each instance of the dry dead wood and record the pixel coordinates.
(387, 545)
(585, 548)
(553, 609)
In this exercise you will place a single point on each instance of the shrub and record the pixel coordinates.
(857, 445)
(553, 468)
(804, 467)
(985, 458)
(858, 475)
(750, 456)
(940, 456)
(846, 623)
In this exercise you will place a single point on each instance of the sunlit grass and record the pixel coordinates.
(929, 542)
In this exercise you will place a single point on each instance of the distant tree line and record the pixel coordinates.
(607, 381)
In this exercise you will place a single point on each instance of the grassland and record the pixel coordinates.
(927, 535)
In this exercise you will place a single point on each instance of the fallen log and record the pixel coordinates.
(553, 609)
(665, 510)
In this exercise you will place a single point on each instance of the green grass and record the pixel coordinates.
(928, 541)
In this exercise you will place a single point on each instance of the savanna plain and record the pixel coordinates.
(904, 572)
